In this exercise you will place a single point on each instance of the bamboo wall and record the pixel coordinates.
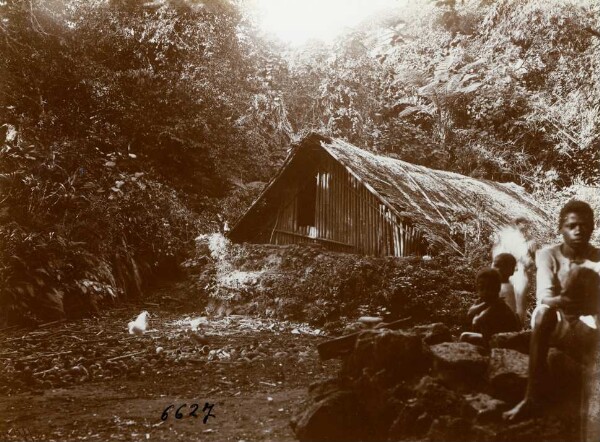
(348, 217)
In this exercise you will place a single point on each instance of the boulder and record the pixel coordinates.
(484, 432)
(485, 407)
(432, 400)
(450, 428)
(400, 354)
(412, 420)
(507, 374)
(433, 333)
(518, 341)
(319, 390)
(375, 392)
(459, 362)
(437, 399)
(343, 345)
(337, 417)
(549, 429)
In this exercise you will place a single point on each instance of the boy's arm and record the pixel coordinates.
(546, 290)
(510, 297)
(482, 318)
(545, 276)
(476, 309)
(522, 308)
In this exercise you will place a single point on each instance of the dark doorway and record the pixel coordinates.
(307, 200)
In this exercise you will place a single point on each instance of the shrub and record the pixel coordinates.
(308, 283)
(80, 228)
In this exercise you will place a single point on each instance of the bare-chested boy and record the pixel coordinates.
(563, 318)
(491, 314)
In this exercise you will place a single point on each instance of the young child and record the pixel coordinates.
(517, 240)
(491, 315)
(506, 264)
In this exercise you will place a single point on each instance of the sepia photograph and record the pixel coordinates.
(300, 220)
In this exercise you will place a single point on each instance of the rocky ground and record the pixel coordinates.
(419, 384)
(246, 378)
(92, 380)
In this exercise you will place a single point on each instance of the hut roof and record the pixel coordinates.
(432, 199)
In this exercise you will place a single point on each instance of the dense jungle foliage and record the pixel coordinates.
(129, 127)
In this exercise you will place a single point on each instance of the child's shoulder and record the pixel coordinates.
(502, 307)
(594, 253)
(553, 249)
(549, 254)
(506, 288)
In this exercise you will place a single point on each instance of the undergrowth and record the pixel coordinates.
(311, 284)
(81, 230)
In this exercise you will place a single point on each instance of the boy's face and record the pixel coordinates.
(506, 270)
(486, 289)
(576, 230)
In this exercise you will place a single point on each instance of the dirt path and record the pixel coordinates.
(91, 380)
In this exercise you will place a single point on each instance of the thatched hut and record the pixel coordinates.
(348, 199)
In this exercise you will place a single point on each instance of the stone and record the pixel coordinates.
(412, 420)
(459, 362)
(432, 400)
(370, 321)
(485, 407)
(377, 403)
(450, 428)
(353, 327)
(548, 429)
(518, 341)
(507, 374)
(484, 432)
(338, 417)
(437, 399)
(433, 333)
(400, 353)
(319, 390)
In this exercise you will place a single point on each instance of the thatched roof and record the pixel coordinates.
(432, 199)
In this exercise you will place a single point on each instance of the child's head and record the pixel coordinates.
(523, 224)
(576, 224)
(487, 284)
(505, 263)
(580, 282)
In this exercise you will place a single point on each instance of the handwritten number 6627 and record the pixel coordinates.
(178, 414)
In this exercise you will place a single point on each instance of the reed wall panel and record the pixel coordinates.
(347, 217)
